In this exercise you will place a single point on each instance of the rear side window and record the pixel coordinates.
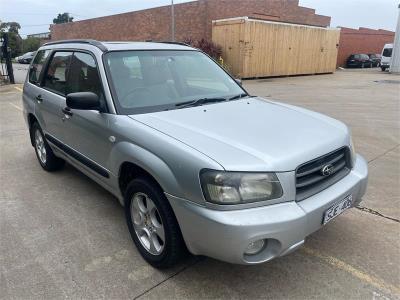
(57, 72)
(387, 52)
(83, 75)
(37, 66)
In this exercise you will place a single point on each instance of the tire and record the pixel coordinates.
(383, 69)
(152, 224)
(44, 154)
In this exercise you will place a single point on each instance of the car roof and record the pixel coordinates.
(120, 45)
(115, 46)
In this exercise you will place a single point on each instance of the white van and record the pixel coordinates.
(386, 56)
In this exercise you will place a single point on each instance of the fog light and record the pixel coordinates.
(254, 247)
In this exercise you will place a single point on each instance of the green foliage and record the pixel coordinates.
(14, 39)
(62, 18)
(30, 44)
(11, 27)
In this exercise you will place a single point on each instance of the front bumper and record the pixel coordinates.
(225, 235)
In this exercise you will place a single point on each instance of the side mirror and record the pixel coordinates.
(239, 81)
(83, 101)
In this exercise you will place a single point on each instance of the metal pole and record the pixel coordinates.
(7, 57)
(172, 21)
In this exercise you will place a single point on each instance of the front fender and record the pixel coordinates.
(156, 167)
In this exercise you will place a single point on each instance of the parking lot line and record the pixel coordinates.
(338, 264)
(15, 106)
(7, 93)
(18, 88)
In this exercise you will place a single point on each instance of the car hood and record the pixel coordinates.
(252, 134)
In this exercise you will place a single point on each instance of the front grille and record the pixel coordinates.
(311, 178)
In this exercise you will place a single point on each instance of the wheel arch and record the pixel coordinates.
(134, 161)
(129, 171)
(31, 120)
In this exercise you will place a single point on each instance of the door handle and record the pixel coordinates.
(39, 98)
(67, 112)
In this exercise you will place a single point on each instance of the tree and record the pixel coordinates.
(11, 27)
(14, 39)
(62, 18)
(30, 44)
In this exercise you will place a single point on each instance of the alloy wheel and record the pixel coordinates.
(147, 223)
(40, 147)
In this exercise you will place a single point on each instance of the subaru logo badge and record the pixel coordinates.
(327, 170)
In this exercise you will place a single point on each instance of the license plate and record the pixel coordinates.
(337, 209)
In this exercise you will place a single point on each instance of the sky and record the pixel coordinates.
(35, 16)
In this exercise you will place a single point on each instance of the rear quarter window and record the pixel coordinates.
(37, 66)
(57, 72)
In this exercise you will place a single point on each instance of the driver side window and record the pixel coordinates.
(84, 75)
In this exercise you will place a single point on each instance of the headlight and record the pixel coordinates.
(237, 188)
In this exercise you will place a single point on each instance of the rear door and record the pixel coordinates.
(51, 99)
(32, 87)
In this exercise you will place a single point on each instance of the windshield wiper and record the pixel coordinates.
(199, 102)
(239, 96)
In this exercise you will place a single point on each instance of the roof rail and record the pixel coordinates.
(172, 43)
(80, 41)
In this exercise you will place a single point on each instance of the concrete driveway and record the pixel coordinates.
(62, 236)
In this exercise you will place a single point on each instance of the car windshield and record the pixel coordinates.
(156, 80)
(387, 52)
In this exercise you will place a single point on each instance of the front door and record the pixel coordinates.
(86, 132)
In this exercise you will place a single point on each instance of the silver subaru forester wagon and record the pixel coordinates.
(197, 162)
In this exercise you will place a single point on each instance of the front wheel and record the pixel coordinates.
(45, 155)
(383, 69)
(152, 224)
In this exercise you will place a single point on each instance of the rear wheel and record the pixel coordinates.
(383, 69)
(45, 155)
(152, 224)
